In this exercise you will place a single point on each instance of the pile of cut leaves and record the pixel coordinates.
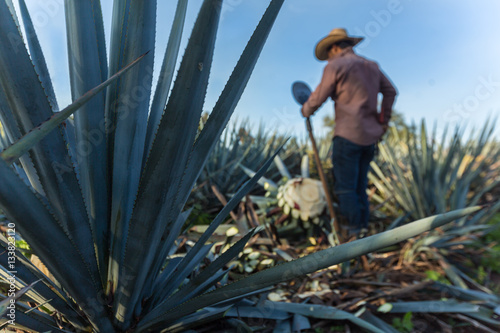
(394, 290)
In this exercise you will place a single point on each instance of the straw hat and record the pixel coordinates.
(335, 36)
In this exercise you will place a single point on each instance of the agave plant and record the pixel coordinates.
(125, 196)
(239, 145)
(427, 176)
(102, 202)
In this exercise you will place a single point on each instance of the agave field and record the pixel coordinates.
(131, 210)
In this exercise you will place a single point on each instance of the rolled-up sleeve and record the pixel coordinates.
(389, 93)
(325, 89)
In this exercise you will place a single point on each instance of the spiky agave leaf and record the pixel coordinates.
(166, 163)
(37, 55)
(32, 138)
(10, 133)
(4, 305)
(60, 254)
(30, 107)
(166, 75)
(127, 112)
(87, 68)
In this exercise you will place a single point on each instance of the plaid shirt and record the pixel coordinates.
(353, 83)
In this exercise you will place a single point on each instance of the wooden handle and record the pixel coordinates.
(322, 177)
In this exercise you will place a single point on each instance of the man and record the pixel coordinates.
(353, 83)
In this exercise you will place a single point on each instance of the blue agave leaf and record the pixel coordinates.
(166, 164)
(37, 56)
(377, 322)
(27, 273)
(151, 317)
(165, 248)
(199, 284)
(12, 11)
(231, 94)
(12, 133)
(250, 311)
(206, 315)
(322, 312)
(176, 277)
(87, 69)
(30, 108)
(60, 254)
(33, 321)
(127, 104)
(166, 75)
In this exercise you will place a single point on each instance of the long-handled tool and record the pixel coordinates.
(301, 92)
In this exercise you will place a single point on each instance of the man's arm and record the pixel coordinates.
(389, 94)
(321, 93)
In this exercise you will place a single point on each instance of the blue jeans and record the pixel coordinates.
(351, 163)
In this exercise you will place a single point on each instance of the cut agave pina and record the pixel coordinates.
(302, 198)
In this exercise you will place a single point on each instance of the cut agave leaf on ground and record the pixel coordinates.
(376, 321)
(197, 319)
(467, 294)
(300, 323)
(321, 312)
(485, 315)
(308, 264)
(450, 306)
(263, 312)
(283, 326)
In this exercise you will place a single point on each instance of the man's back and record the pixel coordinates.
(354, 82)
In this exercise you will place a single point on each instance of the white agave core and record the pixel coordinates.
(305, 197)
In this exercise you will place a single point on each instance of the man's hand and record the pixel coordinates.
(385, 127)
(302, 111)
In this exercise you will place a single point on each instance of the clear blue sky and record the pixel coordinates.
(443, 56)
